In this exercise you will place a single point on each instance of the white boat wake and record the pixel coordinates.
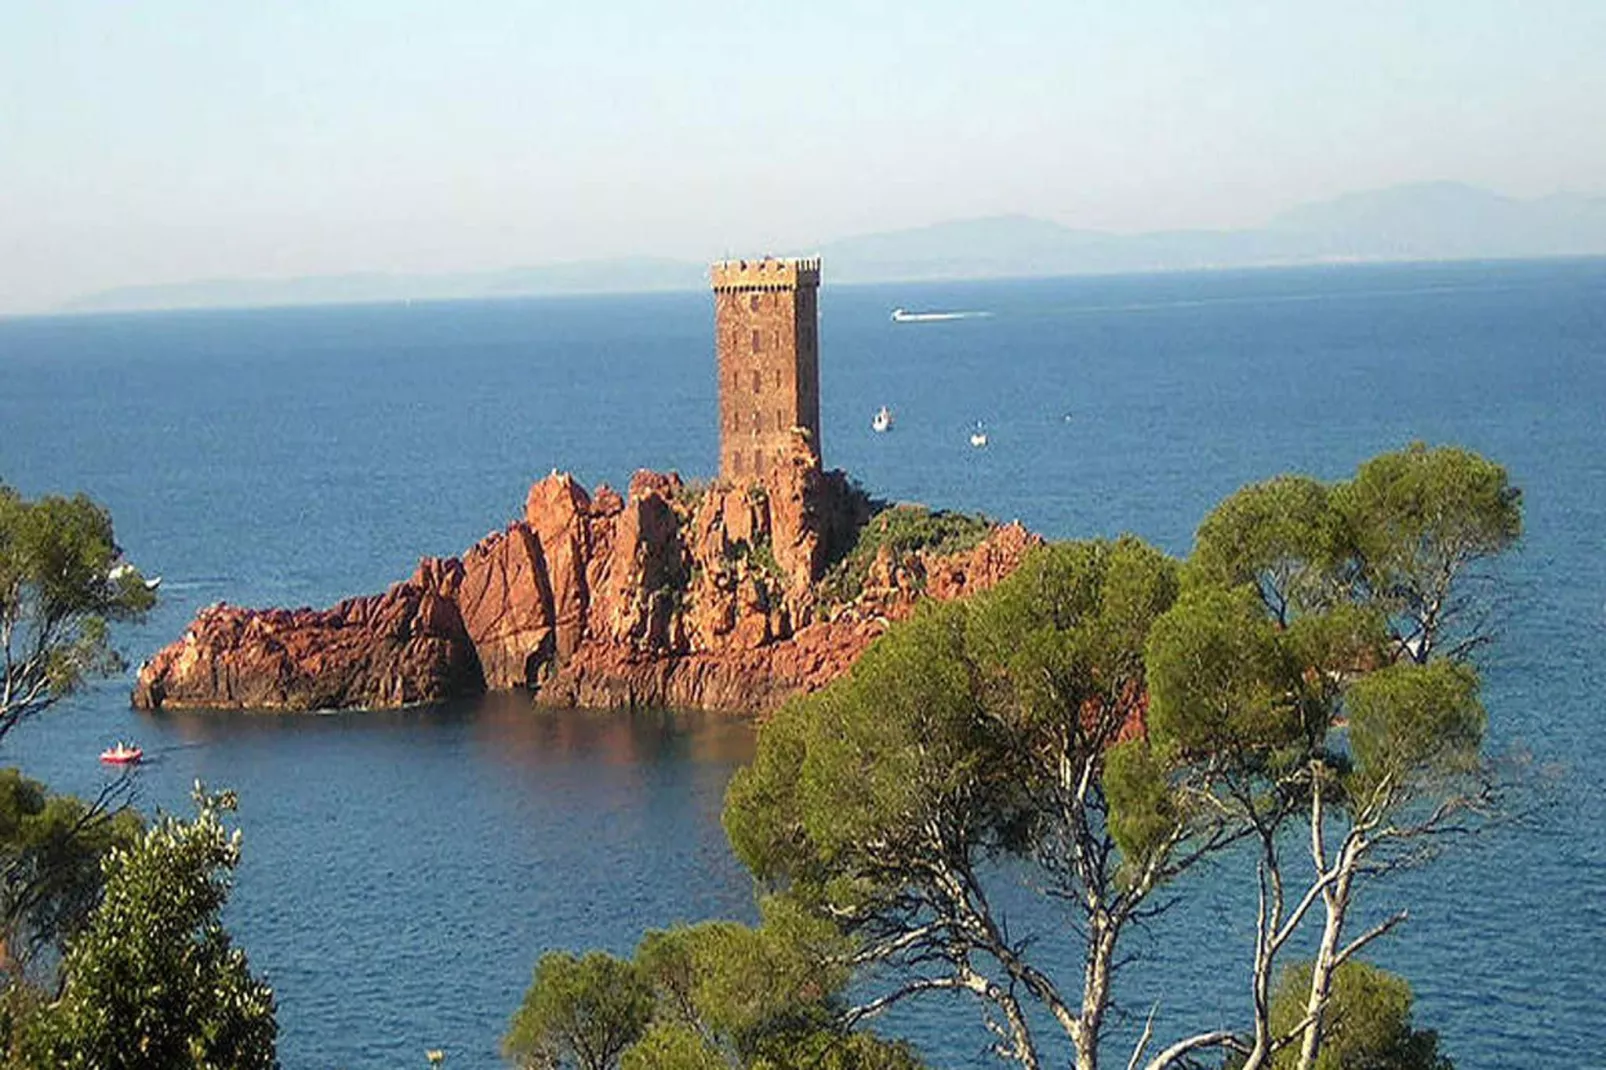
(900, 316)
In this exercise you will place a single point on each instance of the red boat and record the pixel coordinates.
(122, 754)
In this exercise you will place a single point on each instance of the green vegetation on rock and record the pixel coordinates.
(901, 530)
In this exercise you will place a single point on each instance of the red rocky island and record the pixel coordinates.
(730, 597)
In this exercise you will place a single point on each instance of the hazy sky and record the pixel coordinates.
(147, 141)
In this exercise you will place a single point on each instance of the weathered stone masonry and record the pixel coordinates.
(766, 322)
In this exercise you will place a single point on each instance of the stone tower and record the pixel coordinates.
(766, 323)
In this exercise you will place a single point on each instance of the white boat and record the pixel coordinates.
(978, 437)
(882, 420)
(122, 753)
(900, 316)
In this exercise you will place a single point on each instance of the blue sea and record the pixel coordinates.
(403, 871)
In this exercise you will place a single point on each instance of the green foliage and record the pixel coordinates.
(900, 747)
(1279, 537)
(764, 558)
(761, 816)
(825, 1049)
(1068, 627)
(761, 553)
(51, 848)
(1144, 810)
(60, 583)
(691, 495)
(970, 730)
(1411, 722)
(153, 979)
(1416, 519)
(667, 1046)
(698, 997)
(1420, 508)
(579, 1012)
(830, 777)
(739, 987)
(1220, 678)
(1366, 1026)
(902, 530)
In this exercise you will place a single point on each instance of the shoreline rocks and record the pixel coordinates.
(699, 597)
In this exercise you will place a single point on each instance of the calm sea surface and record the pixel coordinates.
(404, 870)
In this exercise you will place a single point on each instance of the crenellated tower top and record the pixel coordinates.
(770, 273)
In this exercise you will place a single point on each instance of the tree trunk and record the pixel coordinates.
(1101, 936)
(1336, 902)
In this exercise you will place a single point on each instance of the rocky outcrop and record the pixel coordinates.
(703, 597)
(402, 647)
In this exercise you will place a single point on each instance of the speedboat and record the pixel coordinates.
(901, 316)
(122, 754)
(978, 437)
(882, 420)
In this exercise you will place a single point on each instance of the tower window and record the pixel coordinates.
(758, 381)
(736, 460)
(752, 302)
(758, 341)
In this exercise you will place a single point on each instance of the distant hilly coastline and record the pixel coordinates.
(1430, 221)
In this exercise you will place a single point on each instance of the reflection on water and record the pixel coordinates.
(513, 732)
(508, 724)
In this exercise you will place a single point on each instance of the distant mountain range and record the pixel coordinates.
(1430, 221)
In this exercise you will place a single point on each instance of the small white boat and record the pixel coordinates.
(882, 420)
(122, 754)
(978, 437)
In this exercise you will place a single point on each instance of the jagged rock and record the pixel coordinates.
(399, 648)
(508, 607)
(557, 509)
(672, 596)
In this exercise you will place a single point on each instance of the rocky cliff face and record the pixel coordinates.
(703, 598)
(405, 646)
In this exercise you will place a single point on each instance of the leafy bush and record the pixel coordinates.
(904, 530)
